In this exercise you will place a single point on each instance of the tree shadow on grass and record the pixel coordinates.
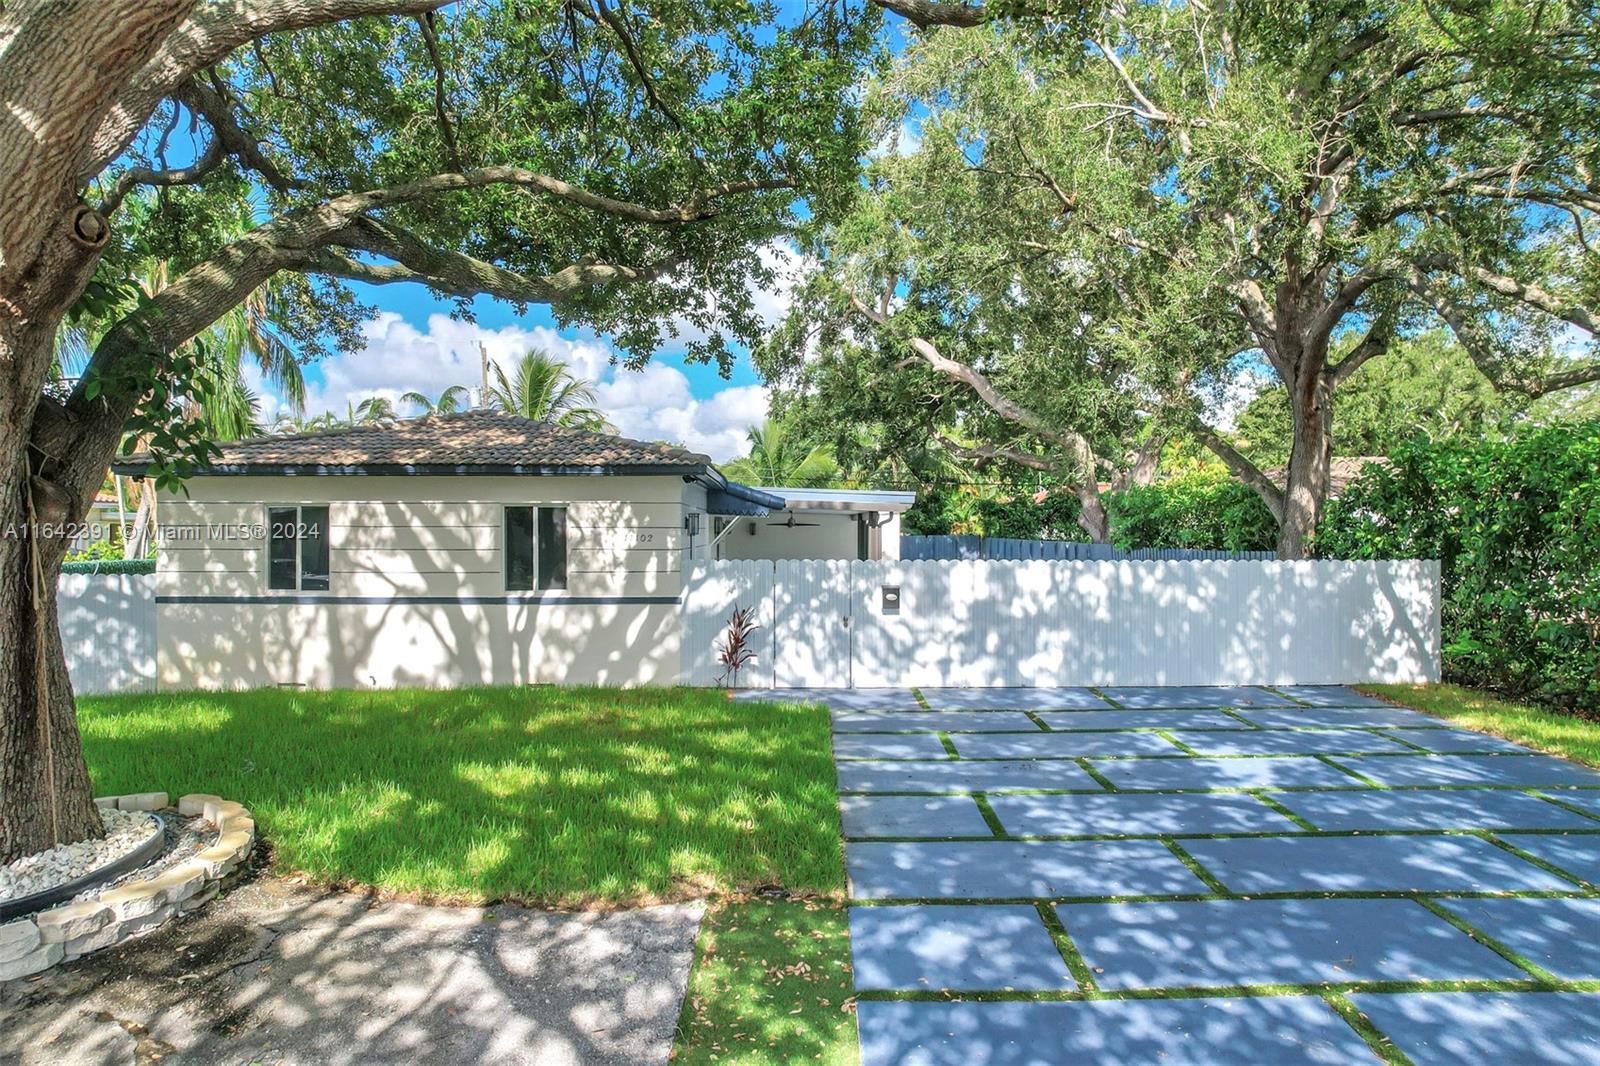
(560, 796)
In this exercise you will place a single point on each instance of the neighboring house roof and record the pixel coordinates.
(470, 442)
(843, 499)
(1341, 472)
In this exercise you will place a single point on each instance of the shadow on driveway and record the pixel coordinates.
(278, 973)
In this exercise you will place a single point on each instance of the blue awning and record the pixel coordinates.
(733, 498)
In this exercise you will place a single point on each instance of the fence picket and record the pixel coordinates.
(992, 623)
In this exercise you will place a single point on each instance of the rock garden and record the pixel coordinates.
(155, 861)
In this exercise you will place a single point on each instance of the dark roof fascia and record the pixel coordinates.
(713, 478)
(427, 469)
(755, 496)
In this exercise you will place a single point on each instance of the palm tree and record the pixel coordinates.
(373, 411)
(778, 457)
(449, 402)
(219, 397)
(543, 388)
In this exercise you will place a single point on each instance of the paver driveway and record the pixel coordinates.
(1212, 875)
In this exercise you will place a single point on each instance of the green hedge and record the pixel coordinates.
(110, 566)
(1204, 509)
(1054, 517)
(1516, 527)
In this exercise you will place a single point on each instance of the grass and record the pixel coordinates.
(555, 796)
(771, 983)
(1573, 735)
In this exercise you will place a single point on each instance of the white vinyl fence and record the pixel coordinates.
(108, 626)
(1038, 622)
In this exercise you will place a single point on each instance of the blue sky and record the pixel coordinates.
(413, 343)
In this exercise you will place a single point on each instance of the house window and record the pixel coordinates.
(536, 548)
(297, 549)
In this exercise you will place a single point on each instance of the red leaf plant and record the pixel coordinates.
(733, 650)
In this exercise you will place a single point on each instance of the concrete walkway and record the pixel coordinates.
(275, 973)
(1211, 876)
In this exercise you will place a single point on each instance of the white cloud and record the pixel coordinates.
(399, 358)
(1227, 398)
(655, 404)
(771, 303)
(903, 140)
(652, 404)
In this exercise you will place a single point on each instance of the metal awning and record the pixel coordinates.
(732, 498)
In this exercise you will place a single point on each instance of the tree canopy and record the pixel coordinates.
(1181, 189)
(622, 164)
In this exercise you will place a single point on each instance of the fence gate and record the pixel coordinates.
(811, 623)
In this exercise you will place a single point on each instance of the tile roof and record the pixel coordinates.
(484, 441)
(1341, 472)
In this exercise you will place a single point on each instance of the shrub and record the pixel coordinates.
(1049, 516)
(100, 549)
(1516, 528)
(109, 566)
(734, 652)
(1202, 509)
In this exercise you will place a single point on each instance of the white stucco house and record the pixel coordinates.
(473, 548)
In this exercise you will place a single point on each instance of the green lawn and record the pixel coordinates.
(771, 983)
(1573, 735)
(564, 796)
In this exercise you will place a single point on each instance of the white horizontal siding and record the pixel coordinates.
(435, 537)
(225, 646)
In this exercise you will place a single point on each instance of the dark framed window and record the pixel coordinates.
(535, 548)
(552, 547)
(519, 549)
(297, 548)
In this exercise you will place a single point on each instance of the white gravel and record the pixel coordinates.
(125, 831)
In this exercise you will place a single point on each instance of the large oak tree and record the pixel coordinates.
(619, 160)
(1288, 187)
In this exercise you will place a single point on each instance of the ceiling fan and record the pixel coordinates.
(791, 523)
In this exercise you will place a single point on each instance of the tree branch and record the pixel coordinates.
(1074, 443)
(1481, 350)
(988, 452)
(213, 106)
(1523, 292)
(134, 177)
(446, 130)
(1345, 297)
(463, 275)
(1151, 111)
(1241, 467)
(620, 28)
(698, 206)
(211, 30)
(1374, 343)
(1263, 321)
(925, 14)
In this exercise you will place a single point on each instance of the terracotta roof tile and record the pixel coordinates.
(478, 438)
(1341, 472)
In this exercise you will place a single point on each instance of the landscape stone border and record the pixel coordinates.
(142, 854)
(39, 941)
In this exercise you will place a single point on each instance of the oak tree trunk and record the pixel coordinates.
(45, 797)
(1092, 515)
(1310, 464)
